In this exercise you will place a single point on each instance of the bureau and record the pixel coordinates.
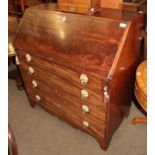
(80, 68)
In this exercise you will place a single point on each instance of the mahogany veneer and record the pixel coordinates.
(79, 67)
(141, 90)
(79, 6)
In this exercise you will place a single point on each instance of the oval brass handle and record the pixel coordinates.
(37, 97)
(86, 124)
(85, 108)
(84, 94)
(28, 57)
(83, 79)
(34, 84)
(30, 70)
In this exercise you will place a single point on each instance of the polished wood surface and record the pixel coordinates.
(113, 4)
(113, 14)
(55, 49)
(145, 45)
(64, 88)
(140, 5)
(141, 85)
(141, 90)
(141, 120)
(79, 6)
(12, 143)
(22, 6)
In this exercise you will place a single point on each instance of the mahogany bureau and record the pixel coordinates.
(80, 68)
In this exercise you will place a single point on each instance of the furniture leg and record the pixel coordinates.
(141, 120)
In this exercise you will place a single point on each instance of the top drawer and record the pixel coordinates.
(79, 6)
(79, 78)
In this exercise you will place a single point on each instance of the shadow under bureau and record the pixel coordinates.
(80, 67)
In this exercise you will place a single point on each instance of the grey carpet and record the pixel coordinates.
(39, 133)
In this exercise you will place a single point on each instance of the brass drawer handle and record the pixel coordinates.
(85, 108)
(38, 98)
(28, 57)
(86, 124)
(84, 94)
(83, 79)
(30, 71)
(34, 84)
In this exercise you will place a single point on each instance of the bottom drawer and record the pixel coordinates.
(74, 119)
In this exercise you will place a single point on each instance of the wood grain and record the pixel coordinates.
(67, 110)
(115, 4)
(94, 48)
(78, 6)
(11, 142)
(141, 85)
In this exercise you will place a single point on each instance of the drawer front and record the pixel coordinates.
(92, 122)
(53, 92)
(66, 80)
(57, 88)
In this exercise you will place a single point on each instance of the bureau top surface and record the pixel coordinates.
(72, 40)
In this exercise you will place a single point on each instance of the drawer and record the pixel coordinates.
(74, 118)
(69, 75)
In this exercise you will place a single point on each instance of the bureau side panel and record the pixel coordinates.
(122, 79)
